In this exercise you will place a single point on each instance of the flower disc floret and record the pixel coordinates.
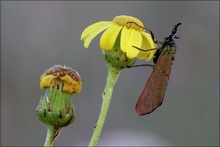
(64, 78)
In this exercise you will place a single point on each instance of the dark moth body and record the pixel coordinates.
(154, 90)
(153, 93)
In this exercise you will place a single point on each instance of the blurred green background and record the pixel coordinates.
(37, 35)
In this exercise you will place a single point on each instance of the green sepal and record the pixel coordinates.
(116, 58)
(56, 108)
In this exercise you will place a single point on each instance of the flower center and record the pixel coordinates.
(130, 22)
(63, 77)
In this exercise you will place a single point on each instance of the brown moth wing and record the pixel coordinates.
(154, 90)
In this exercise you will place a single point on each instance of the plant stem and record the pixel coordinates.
(113, 74)
(52, 133)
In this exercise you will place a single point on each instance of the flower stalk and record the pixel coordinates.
(119, 44)
(116, 60)
(113, 74)
(52, 134)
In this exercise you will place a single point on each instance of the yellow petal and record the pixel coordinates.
(94, 27)
(89, 34)
(108, 38)
(47, 81)
(125, 35)
(150, 43)
(147, 44)
(70, 85)
(135, 39)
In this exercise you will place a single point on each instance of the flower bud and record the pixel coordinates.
(56, 107)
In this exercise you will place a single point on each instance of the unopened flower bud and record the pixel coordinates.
(56, 107)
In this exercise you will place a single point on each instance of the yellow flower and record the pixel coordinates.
(63, 78)
(131, 32)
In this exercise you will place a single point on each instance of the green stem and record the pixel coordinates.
(52, 133)
(113, 74)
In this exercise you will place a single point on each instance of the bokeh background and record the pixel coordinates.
(37, 35)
